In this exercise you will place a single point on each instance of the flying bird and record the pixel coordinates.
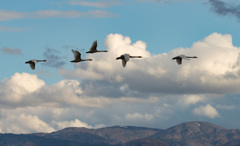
(77, 57)
(33, 62)
(93, 49)
(125, 58)
(180, 57)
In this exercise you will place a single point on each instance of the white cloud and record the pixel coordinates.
(68, 92)
(208, 111)
(31, 119)
(98, 4)
(145, 93)
(138, 116)
(105, 65)
(216, 70)
(14, 89)
(25, 89)
(191, 99)
(23, 124)
(28, 82)
(73, 123)
(64, 104)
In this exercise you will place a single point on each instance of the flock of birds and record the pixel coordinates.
(124, 57)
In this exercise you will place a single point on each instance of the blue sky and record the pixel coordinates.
(162, 25)
(152, 92)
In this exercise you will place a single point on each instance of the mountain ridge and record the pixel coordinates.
(195, 133)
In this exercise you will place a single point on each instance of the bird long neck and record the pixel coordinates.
(191, 57)
(135, 56)
(41, 60)
(103, 51)
(86, 60)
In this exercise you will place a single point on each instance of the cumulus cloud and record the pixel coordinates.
(23, 124)
(25, 97)
(98, 4)
(207, 111)
(152, 90)
(25, 89)
(64, 104)
(13, 90)
(73, 123)
(216, 70)
(104, 65)
(191, 99)
(40, 119)
(69, 93)
(12, 51)
(226, 7)
(138, 116)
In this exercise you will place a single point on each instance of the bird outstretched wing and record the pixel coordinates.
(32, 65)
(77, 55)
(124, 62)
(94, 46)
(179, 60)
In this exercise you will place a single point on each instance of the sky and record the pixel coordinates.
(153, 91)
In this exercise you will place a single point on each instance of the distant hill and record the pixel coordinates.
(198, 134)
(185, 134)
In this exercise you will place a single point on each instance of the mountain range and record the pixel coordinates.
(185, 134)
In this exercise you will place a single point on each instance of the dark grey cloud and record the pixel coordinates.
(12, 51)
(54, 58)
(108, 89)
(224, 8)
